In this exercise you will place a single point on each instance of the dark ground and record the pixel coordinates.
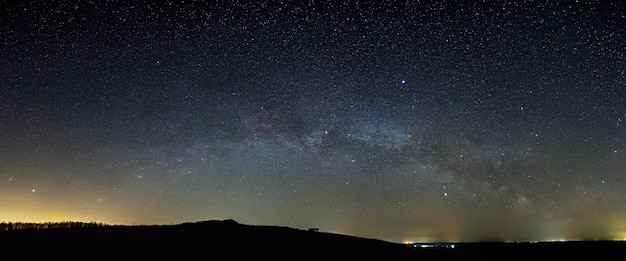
(220, 240)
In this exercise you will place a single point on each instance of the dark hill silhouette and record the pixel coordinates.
(230, 240)
(225, 239)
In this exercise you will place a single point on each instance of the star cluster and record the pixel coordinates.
(444, 121)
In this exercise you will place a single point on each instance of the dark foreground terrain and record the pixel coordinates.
(221, 240)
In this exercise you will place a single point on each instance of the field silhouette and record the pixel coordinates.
(227, 239)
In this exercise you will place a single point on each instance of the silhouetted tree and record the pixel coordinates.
(5, 226)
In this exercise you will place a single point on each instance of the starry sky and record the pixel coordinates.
(395, 120)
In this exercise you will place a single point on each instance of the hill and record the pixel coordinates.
(210, 239)
(227, 239)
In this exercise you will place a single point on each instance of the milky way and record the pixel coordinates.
(393, 120)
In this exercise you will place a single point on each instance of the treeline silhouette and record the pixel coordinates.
(5, 226)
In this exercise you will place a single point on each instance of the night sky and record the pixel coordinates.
(394, 120)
